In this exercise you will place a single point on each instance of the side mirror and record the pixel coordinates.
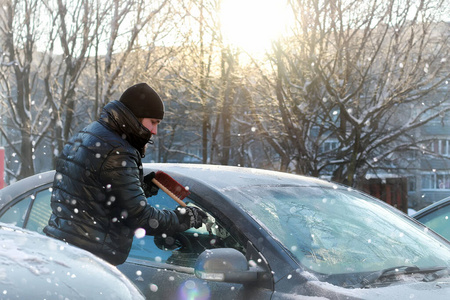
(226, 265)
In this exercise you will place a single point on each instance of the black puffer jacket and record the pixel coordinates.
(98, 200)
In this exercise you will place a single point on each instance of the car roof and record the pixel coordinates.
(15, 190)
(35, 265)
(233, 176)
(217, 177)
(432, 207)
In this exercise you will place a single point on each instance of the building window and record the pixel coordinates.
(435, 181)
(441, 147)
(329, 145)
(411, 184)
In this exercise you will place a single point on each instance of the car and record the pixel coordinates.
(269, 235)
(436, 216)
(33, 266)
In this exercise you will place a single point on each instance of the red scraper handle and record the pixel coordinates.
(171, 187)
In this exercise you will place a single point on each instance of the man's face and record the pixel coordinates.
(151, 125)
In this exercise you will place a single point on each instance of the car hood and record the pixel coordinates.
(406, 288)
(439, 289)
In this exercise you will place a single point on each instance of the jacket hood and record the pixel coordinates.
(119, 118)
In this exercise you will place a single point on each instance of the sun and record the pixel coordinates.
(253, 24)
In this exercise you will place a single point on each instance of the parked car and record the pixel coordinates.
(436, 216)
(33, 266)
(270, 235)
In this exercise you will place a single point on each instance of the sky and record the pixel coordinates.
(253, 24)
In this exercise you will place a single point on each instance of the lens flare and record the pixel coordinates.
(193, 289)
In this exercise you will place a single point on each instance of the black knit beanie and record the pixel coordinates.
(143, 101)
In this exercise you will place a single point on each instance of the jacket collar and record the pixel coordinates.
(119, 118)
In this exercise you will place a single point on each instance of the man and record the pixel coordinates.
(99, 191)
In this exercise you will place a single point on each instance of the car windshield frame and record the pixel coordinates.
(338, 231)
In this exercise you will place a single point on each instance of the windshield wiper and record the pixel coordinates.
(378, 276)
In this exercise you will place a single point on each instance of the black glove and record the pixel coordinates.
(189, 217)
(150, 189)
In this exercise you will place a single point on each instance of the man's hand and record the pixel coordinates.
(150, 189)
(189, 217)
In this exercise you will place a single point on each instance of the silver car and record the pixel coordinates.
(33, 266)
(436, 216)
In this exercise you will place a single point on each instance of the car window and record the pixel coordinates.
(40, 212)
(17, 213)
(340, 231)
(439, 221)
(38, 215)
(183, 248)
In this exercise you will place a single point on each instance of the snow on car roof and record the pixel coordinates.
(225, 176)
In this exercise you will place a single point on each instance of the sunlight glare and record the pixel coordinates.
(252, 24)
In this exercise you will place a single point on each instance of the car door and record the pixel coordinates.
(163, 267)
(158, 267)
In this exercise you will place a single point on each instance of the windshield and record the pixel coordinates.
(337, 231)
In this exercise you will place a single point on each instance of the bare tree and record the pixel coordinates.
(76, 34)
(209, 73)
(341, 94)
(194, 77)
(128, 20)
(21, 28)
(358, 79)
(46, 53)
(104, 32)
